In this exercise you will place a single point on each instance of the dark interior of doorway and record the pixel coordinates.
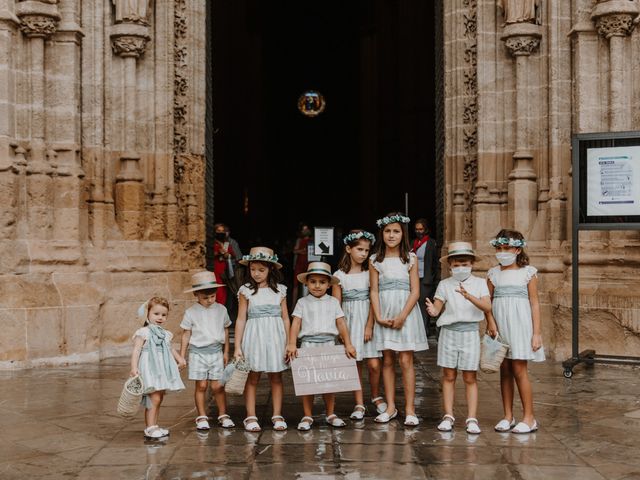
(375, 63)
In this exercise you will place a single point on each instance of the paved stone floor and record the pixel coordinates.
(60, 423)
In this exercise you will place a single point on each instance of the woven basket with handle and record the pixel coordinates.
(130, 397)
(235, 384)
(492, 353)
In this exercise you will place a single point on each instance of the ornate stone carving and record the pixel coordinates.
(520, 11)
(522, 45)
(129, 46)
(38, 26)
(180, 88)
(616, 25)
(132, 11)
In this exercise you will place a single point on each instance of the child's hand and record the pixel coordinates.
(181, 363)
(461, 290)
(386, 322)
(292, 352)
(431, 309)
(397, 323)
(134, 372)
(351, 351)
(237, 354)
(368, 334)
(536, 342)
(492, 329)
(225, 358)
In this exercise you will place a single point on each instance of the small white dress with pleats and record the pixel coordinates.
(393, 281)
(264, 340)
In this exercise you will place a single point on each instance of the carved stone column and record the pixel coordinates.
(521, 40)
(615, 20)
(128, 41)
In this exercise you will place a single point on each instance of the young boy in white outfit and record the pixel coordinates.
(205, 331)
(465, 299)
(317, 320)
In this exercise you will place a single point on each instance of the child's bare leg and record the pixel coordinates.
(151, 414)
(374, 366)
(329, 402)
(250, 393)
(471, 391)
(307, 405)
(408, 381)
(389, 378)
(449, 376)
(506, 388)
(359, 398)
(276, 392)
(200, 395)
(524, 388)
(219, 396)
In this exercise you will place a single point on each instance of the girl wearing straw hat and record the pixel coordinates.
(399, 329)
(262, 327)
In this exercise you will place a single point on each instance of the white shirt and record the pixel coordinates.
(206, 324)
(456, 307)
(318, 315)
(420, 254)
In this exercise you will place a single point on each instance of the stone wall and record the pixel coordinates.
(101, 170)
(517, 87)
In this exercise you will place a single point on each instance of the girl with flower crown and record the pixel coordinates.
(353, 293)
(399, 329)
(262, 329)
(513, 286)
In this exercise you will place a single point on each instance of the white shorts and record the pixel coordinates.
(460, 350)
(205, 366)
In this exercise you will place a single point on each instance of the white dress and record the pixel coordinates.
(412, 336)
(264, 340)
(356, 311)
(161, 377)
(512, 311)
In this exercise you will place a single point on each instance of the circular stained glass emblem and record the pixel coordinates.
(311, 103)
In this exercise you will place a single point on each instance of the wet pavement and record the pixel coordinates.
(60, 423)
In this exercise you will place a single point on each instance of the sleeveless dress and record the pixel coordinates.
(394, 289)
(356, 305)
(264, 340)
(157, 367)
(512, 311)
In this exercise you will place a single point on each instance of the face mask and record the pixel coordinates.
(419, 235)
(505, 258)
(460, 273)
(221, 236)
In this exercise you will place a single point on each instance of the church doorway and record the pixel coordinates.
(372, 148)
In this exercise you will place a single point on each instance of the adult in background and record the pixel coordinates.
(236, 275)
(300, 257)
(425, 249)
(222, 260)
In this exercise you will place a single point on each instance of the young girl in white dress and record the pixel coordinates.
(353, 293)
(513, 286)
(156, 361)
(261, 332)
(395, 290)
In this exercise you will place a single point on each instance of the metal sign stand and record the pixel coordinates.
(590, 357)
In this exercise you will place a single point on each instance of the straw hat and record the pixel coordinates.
(203, 280)
(457, 249)
(261, 254)
(318, 268)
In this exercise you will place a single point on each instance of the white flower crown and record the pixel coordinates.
(260, 257)
(392, 219)
(511, 242)
(355, 236)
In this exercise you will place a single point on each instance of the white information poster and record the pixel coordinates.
(613, 181)
(323, 240)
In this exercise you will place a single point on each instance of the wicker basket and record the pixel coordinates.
(236, 382)
(130, 397)
(492, 353)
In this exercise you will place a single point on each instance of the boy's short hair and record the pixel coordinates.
(463, 258)
(205, 291)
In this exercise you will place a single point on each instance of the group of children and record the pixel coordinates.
(372, 310)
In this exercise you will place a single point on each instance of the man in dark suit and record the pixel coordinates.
(425, 249)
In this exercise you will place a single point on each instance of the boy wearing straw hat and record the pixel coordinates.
(465, 300)
(317, 320)
(205, 331)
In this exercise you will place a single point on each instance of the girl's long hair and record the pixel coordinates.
(404, 243)
(151, 303)
(273, 277)
(522, 260)
(345, 261)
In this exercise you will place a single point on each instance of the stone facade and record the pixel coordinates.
(101, 170)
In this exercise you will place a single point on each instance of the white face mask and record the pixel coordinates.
(506, 258)
(460, 273)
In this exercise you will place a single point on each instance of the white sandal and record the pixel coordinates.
(524, 428)
(225, 421)
(358, 412)
(411, 421)
(154, 432)
(446, 425)
(202, 422)
(251, 424)
(305, 423)
(505, 425)
(384, 417)
(472, 426)
(278, 423)
(335, 421)
(380, 407)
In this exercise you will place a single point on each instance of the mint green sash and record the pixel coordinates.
(394, 284)
(355, 294)
(519, 291)
(257, 311)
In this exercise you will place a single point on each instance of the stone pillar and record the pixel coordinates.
(615, 20)
(129, 41)
(521, 40)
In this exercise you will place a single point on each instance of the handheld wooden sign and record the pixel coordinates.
(320, 370)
